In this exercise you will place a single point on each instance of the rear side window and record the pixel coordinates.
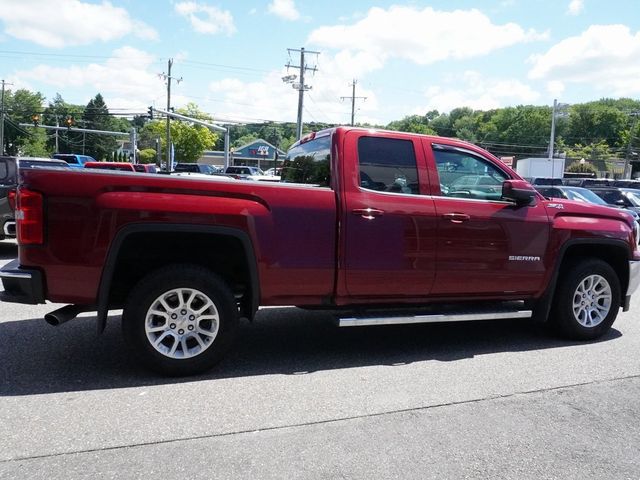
(309, 163)
(388, 165)
(7, 171)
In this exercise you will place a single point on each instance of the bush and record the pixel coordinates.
(147, 155)
(585, 167)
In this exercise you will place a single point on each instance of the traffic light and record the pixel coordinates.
(69, 122)
(35, 118)
(151, 113)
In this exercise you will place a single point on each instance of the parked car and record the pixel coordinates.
(8, 183)
(9, 169)
(145, 168)
(581, 194)
(222, 249)
(250, 173)
(628, 198)
(33, 162)
(196, 168)
(119, 166)
(74, 160)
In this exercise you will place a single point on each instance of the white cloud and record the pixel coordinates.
(69, 22)
(423, 36)
(478, 92)
(272, 99)
(129, 74)
(575, 7)
(605, 57)
(285, 9)
(206, 19)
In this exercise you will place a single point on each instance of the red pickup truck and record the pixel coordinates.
(378, 227)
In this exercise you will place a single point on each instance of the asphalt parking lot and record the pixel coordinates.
(300, 398)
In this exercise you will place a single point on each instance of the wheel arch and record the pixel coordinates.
(615, 252)
(217, 235)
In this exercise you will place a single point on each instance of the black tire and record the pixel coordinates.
(206, 335)
(593, 316)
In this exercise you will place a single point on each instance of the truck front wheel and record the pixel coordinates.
(587, 300)
(180, 320)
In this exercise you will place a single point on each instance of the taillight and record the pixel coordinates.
(29, 217)
(11, 196)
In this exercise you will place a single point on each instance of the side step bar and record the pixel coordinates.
(357, 321)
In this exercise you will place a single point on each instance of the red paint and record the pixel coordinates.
(341, 245)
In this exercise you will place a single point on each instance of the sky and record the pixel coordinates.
(407, 57)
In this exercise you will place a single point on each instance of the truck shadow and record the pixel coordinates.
(36, 358)
(8, 250)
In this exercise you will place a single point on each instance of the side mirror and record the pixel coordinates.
(519, 192)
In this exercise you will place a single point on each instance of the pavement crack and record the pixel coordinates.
(322, 422)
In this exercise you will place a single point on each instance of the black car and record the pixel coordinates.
(628, 198)
(196, 168)
(8, 184)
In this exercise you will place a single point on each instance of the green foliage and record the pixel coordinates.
(190, 141)
(147, 155)
(585, 167)
(96, 117)
(20, 105)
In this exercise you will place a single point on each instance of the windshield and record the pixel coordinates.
(584, 195)
(633, 196)
(309, 162)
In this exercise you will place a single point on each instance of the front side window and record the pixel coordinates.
(309, 163)
(388, 165)
(464, 175)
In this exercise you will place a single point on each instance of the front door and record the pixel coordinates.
(485, 245)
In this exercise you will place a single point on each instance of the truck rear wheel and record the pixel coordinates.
(180, 320)
(587, 300)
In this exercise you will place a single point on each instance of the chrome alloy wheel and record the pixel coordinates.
(182, 323)
(592, 301)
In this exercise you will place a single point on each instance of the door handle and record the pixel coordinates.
(368, 213)
(456, 217)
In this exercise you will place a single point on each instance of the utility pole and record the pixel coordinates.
(353, 101)
(57, 126)
(300, 86)
(168, 78)
(627, 159)
(2, 118)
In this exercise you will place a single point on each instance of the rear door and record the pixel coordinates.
(388, 220)
(486, 246)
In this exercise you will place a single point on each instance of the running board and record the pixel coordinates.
(432, 318)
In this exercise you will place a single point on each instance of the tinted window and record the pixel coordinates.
(388, 165)
(309, 163)
(3, 171)
(71, 159)
(464, 175)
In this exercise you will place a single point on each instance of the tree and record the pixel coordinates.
(56, 113)
(96, 117)
(582, 167)
(190, 141)
(20, 106)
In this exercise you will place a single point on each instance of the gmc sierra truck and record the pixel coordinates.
(378, 227)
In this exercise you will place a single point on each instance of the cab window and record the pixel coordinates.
(388, 165)
(464, 175)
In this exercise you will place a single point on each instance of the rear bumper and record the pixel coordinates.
(21, 285)
(634, 282)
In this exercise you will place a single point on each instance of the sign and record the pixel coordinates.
(508, 161)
